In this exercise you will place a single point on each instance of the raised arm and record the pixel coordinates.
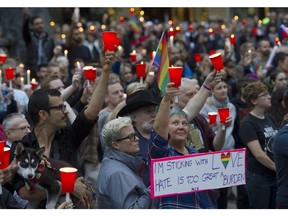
(162, 118)
(196, 103)
(100, 91)
(76, 79)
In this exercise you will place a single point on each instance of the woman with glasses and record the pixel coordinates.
(257, 131)
(119, 185)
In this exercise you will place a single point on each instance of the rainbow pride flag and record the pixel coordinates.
(160, 63)
(134, 24)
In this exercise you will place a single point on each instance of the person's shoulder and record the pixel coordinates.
(19, 91)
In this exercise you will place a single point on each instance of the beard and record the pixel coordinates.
(148, 125)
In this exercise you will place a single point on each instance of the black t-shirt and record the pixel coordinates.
(64, 145)
(252, 129)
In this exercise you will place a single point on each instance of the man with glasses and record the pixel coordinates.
(15, 127)
(119, 185)
(48, 115)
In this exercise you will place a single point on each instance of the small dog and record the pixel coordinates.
(38, 171)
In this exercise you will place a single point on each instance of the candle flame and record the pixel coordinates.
(28, 71)
(133, 52)
(151, 73)
(52, 23)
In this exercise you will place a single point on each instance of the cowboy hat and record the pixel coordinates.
(137, 100)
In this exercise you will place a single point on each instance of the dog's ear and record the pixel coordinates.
(19, 148)
(40, 152)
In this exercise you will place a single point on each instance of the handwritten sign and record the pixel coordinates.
(197, 172)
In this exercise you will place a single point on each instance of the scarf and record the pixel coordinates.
(29, 183)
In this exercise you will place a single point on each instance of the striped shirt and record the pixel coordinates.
(159, 148)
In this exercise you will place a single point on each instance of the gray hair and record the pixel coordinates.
(111, 130)
(178, 112)
(8, 121)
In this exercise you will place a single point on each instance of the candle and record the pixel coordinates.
(109, 39)
(133, 56)
(3, 58)
(217, 61)
(152, 55)
(78, 65)
(33, 84)
(28, 77)
(152, 73)
(141, 71)
(175, 74)
(171, 41)
(66, 53)
(68, 178)
(232, 39)
(0, 77)
(22, 81)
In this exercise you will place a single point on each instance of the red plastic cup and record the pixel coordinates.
(232, 39)
(5, 160)
(33, 85)
(3, 58)
(133, 57)
(171, 33)
(212, 117)
(2, 144)
(68, 178)
(89, 73)
(141, 70)
(152, 54)
(217, 61)
(211, 52)
(223, 114)
(118, 41)
(109, 40)
(9, 72)
(197, 57)
(175, 74)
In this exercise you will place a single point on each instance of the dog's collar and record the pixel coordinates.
(29, 183)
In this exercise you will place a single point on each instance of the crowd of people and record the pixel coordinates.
(110, 128)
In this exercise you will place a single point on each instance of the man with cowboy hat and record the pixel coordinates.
(141, 108)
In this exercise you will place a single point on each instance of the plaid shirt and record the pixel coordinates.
(158, 148)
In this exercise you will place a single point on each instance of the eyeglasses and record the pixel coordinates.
(60, 107)
(21, 128)
(131, 137)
